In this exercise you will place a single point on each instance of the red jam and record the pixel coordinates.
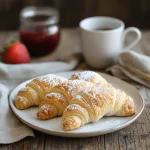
(40, 43)
(39, 32)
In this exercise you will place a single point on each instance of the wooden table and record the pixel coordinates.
(135, 136)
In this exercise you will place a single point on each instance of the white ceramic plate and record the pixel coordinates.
(103, 126)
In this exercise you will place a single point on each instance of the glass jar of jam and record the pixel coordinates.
(39, 29)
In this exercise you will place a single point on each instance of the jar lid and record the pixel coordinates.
(39, 15)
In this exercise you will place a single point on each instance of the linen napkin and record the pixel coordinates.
(12, 75)
(11, 129)
(132, 66)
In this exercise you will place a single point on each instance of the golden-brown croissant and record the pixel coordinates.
(54, 103)
(90, 76)
(36, 90)
(93, 103)
(58, 99)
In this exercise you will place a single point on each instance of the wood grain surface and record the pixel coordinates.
(133, 12)
(134, 137)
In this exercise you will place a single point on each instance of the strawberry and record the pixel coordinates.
(16, 53)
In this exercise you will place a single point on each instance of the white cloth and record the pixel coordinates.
(11, 129)
(132, 66)
(12, 75)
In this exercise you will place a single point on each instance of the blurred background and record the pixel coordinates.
(132, 12)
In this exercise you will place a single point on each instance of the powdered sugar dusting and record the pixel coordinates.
(44, 108)
(75, 86)
(74, 107)
(87, 76)
(53, 80)
(80, 98)
(99, 92)
(21, 98)
(56, 95)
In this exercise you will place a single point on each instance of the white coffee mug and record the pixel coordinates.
(99, 46)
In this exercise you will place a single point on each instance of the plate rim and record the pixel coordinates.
(81, 133)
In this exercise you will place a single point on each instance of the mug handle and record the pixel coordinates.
(138, 37)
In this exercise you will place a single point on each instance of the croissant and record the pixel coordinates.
(90, 76)
(93, 103)
(58, 99)
(36, 90)
(55, 103)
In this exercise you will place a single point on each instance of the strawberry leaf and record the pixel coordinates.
(6, 46)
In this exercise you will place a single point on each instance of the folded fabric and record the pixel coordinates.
(11, 129)
(132, 66)
(12, 75)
